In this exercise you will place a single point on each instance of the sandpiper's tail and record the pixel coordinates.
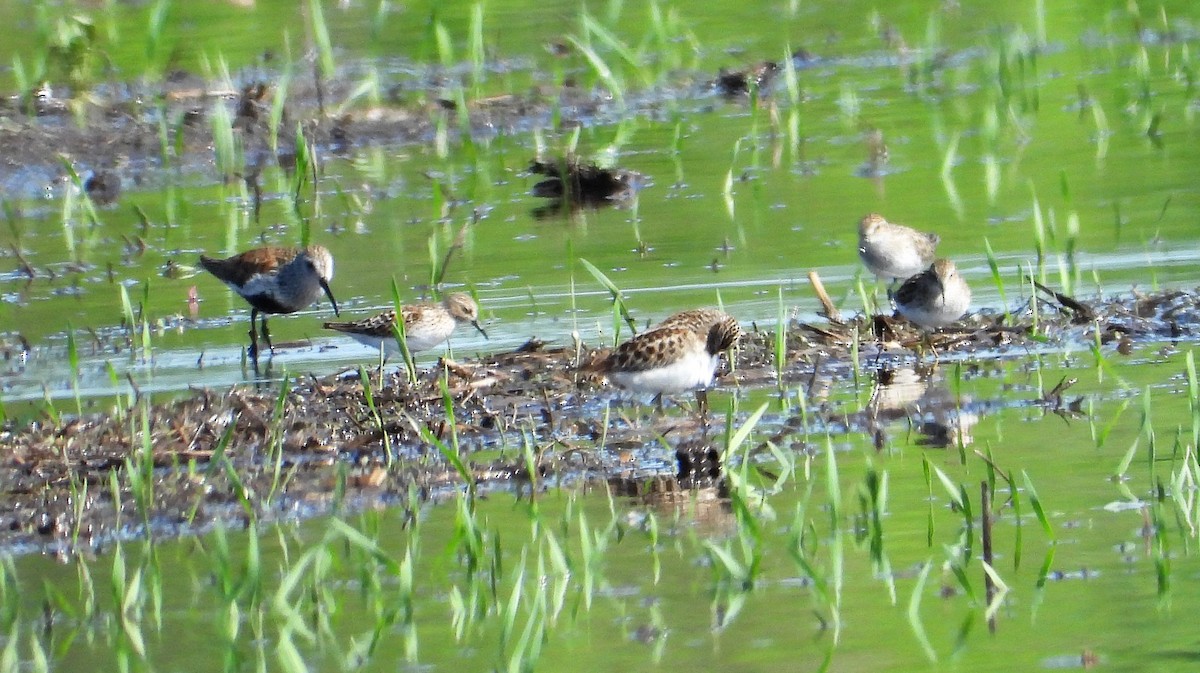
(381, 325)
(222, 268)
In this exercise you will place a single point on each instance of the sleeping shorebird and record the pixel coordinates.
(425, 325)
(893, 251)
(679, 354)
(936, 297)
(275, 279)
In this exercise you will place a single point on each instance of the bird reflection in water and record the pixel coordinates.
(921, 396)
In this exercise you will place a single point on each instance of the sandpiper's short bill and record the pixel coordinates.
(936, 297)
(275, 279)
(425, 325)
(679, 354)
(894, 251)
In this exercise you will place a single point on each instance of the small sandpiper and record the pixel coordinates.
(936, 297)
(893, 251)
(275, 279)
(425, 325)
(679, 354)
(699, 319)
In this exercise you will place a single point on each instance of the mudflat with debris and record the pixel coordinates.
(314, 444)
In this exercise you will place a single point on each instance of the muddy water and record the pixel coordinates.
(656, 594)
(974, 152)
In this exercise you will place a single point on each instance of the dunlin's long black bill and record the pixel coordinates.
(475, 324)
(329, 293)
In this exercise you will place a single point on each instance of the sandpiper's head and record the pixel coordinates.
(722, 335)
(319, 262)
(868, 225)
(944, 269)
(464, 309)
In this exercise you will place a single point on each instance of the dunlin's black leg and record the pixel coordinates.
(266, 335)
(253, 352)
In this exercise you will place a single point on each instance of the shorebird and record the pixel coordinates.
(699, 319)
(679, 354)
(893, 251)
(936, 297)
(275, 279)
(425, 325)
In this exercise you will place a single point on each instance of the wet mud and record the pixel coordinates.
(118, 137)
(126, 137)
(518, 420)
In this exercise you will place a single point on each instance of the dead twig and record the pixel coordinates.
(1083, 312)
(827, 307)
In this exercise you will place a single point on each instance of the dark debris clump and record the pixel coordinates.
(570, 180)
(735, 83)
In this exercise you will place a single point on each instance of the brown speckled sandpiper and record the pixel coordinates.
(679, 354)
(425, 325)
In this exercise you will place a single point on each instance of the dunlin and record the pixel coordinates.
(275, 280)
(894, 251)
(679, 354)
(936, 297)
(425, 325)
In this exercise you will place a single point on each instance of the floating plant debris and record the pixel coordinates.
(574, 182)
(733, 83)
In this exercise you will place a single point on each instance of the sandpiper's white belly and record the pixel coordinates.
(947, 308)
(892, 258)
(691, 371)
(423, 340)
(418, 340)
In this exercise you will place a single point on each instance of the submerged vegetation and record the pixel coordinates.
(1017, 490)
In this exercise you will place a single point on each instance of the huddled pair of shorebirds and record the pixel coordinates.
(933, 294)
(679, 354)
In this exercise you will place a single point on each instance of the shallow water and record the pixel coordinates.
(1068, 143)
(646, 588)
